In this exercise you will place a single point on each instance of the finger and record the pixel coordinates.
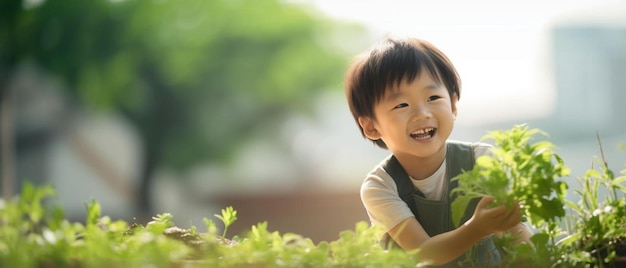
(512, 210)
(517, 212)
(506, 217)
(513, 222)
(515, 217)
(500, 212)
(485, 201)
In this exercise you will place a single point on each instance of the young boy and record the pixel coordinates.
(403, 95)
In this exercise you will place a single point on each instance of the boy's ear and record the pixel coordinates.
(454, 100)
(369, 128)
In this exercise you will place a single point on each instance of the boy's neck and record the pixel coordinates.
(420, 168)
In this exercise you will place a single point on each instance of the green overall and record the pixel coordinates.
(435, 215)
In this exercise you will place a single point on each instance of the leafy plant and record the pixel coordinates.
(360, 248)
(528, 172)
(598, 231)
(33, 236)
(523, 170)
(229, 215)
(518, 171)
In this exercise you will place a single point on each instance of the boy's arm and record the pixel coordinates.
(439, 249)
(445, 247)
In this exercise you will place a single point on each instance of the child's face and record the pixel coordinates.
(415, 118)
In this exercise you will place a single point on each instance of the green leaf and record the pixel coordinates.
(569, 240)
(93, 212)
(540, 239)
(618, 180)
(459, 206)
(210, 226)
(574, 206)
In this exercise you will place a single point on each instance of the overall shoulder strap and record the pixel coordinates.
(459, 158)
(403, 183)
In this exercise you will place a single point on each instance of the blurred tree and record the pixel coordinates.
(197, 78)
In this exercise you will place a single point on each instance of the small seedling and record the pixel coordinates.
(228, 217)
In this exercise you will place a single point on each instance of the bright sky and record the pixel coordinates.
(500, 48)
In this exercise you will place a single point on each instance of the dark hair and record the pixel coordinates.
(386, 65)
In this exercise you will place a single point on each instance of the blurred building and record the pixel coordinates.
(590, 73)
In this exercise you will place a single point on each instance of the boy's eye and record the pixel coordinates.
(433, 98)
(401, 105)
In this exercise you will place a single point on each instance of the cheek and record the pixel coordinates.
(392, 121)
(446, 113)
(448, 109)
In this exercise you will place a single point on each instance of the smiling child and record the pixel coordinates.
(403, 95)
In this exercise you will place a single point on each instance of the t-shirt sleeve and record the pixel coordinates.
(481, 149)
(381, 200)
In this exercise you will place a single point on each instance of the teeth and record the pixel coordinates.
(423, 134)
(422, 131)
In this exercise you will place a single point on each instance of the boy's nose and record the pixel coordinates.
(421, 112)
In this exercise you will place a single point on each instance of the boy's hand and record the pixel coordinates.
(487, 221)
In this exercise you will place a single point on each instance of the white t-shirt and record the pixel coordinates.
(382, 201)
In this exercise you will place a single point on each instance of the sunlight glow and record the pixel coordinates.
(500, 48)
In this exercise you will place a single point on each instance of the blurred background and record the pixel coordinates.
(189, 106)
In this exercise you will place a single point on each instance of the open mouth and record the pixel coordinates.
(423, 134)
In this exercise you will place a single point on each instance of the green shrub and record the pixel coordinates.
(33, 236)
(527, 170)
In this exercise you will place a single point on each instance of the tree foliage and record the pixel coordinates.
(196, 78)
